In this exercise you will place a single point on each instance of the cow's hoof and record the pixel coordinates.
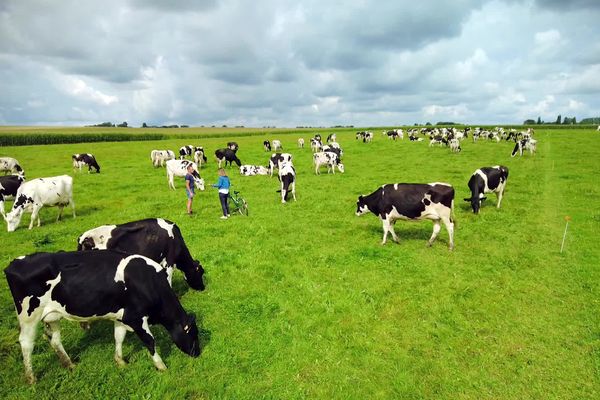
(120, 362)
(429, 244)
(30, 379)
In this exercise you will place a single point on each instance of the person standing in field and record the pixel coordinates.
(223, 185)
(190, 189)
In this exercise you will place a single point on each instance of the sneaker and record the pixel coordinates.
(228, 215)
(223, 217)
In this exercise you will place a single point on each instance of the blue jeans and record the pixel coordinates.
(223, 197)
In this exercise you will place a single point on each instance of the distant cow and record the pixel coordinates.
(179, 168)
(331, 138)
(411, 201)
(366, 136)
(233, 146)
(301, 143)
(199, 156)
(277, 146)
(267, 145)
(487, 180)
(227, 156)
(9, 185)
(79, 160)
(130, 290)
(455, 145)
(155, 238)
(328, 158)
(9, 164)
(186, 151)
(278, 158)
(524, 144)
(287, 177)
(37, 193)
(160, 157)
(315, 144)
(251, 170)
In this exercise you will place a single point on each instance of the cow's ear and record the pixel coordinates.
(360, 197)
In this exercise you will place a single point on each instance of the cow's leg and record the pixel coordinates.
(72, 207)
(386, 228)
(60, 211)
(436, 230)
(294, 190)
(27, 341)
(2, 206)
(120, 332)
(450, 228)
(141, 328)
(54, 333)
(499, 194)
(35, 214)
(391, 230)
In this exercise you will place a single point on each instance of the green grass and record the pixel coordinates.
(302, 300)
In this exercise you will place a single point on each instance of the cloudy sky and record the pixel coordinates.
(297, 62)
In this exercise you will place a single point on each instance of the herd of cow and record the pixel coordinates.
(123, 272)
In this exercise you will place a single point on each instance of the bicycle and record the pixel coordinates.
(237, 203)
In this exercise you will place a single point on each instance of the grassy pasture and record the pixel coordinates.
(302, 300)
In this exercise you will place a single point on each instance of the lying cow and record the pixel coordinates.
(80, 160)
(276, 159)
(155, 238)
(411, 201)
(10, 165)
(227, 156)
(37, 193)
(130, 290)
(179, 168)
(287, 177)
(251, 170)
(328, 158)
(160, 157)
(9, 185)
(487, 180)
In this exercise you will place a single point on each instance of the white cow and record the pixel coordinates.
(301, 143)
(277, 145)
(179, 168)
(9, 164)
(328, 158)
(37, 193)
(160, 157)
(251, 170)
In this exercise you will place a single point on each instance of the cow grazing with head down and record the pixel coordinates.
(131, 290)
(328, 158)
(287, 177)
(9, 185)
(179, 168)
(79, 160)
(9, 164)
(276, 159)
(411, 201)
(37, 193)
(524, 144)
(155, 238)
(227, 156)
(267, 145)
(487, 180)
(251, 170)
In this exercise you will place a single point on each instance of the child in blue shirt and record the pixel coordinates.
(223, 185)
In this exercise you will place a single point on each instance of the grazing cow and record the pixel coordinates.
(277, 146)
(159, 157)
(9, 185)
(328, 158)
(455, 145)
(318, 137)
(199, 156)
(524, 144)
(278, 158)
(186, 151)
(9, 164)
(131, 290)
(228, 156)
(79, 160)
(442, 141)
(37, 193)
(233, 146)
(487, 180)
(334, 149)
(287, 177)
(301, 143)
(251, 170)
(315, 144)
(331, 138)
(267, 145)
(366, 136)
(411, 201)
(179, 168)
(156, 238)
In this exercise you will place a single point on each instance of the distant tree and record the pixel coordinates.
(428, 124)
(539, 121)
(144, 125)
(574, 120)
(123, 124)
(529, 122)
(558, 120)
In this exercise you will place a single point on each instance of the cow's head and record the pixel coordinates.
(341, 167)
(475, 202)
(185, 335)
(85, 243)
(361, 206)
(194, 276)
(13, 218)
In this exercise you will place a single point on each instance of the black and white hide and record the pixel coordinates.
(160, 157)
(329, 159)
(287, 177)
(524, 144)
(32, 195)
(316, 145)
(455, 145)
(199, 156)
(131, 290)
(233, 146)
(277, 146)
(186, 151)
(9, 185)
(487, 180)
(267, 145)
(80, 160)
(276, 159)
(226, 156)
(158, 239)
(411, 201)
(10, 165)
(252, 170)
(331, 138)
(179, 168)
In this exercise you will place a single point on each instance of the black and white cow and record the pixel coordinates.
(301, 143)
(277, 146)
(37, 193)
(179, 168)
(328, 158)
(227, 155)
(318, 137)
(186, 151)
(287, 177)
(487, 180)
(79, 160)
(131, 290)
(9, 185)
(199, 156)
(9, 164)
(251, 170)
(524, 144)
(276, 159)
(155, 238)
(334, 149)
(331, 138)
(233, 146)
(455, 145)
(411, 201)
(160, 157)
(316, 145)
(267, 145)
(366, 136)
